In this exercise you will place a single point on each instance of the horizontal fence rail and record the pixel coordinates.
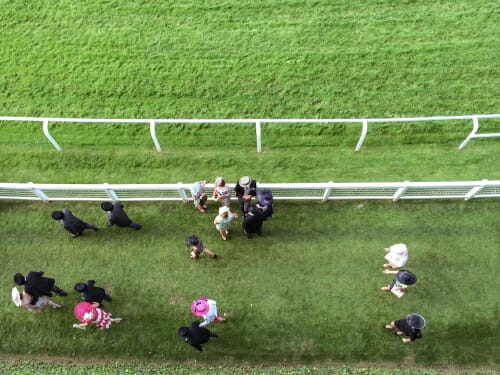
(394, 191)
(258, 125)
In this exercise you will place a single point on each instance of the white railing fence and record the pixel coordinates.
(394, 191)
(258, 125)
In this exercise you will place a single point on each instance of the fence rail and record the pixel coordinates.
(258, 125)
(394, 191)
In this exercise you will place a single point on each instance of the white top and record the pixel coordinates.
(211, 314)
(398, 255)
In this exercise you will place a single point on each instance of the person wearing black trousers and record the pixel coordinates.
(91, 293)
(252, 223)
(36, 285)
(116, 215)
(71, 223)
(195, 335)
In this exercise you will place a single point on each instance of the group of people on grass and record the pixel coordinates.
(37, 288)
(412, 324)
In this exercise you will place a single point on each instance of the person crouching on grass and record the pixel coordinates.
(409, 326)
(197, 248)
(23, 299)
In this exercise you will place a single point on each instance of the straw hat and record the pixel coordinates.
(223, 209)
(200, 307)
(244, 181)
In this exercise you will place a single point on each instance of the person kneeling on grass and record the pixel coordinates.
(71, 223)
(409, 326)
(116, 215)
(195, 335)
(197, 248)
(87, 313)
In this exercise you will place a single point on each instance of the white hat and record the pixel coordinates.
(16, 297)
(244, 181)
(223, 209)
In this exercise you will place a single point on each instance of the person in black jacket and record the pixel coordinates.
(71, 223)
(196, 335)
(252, 223)
(91, 293)
(36, 285)
(410, 326)
(116, 215)
(246, 190)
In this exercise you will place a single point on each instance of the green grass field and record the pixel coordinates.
(307, 292)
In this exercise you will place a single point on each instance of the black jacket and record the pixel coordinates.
(73, 224)
(36, 285)
(197, 335)
(95, 293)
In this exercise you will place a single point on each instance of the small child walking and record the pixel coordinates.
(197, 248)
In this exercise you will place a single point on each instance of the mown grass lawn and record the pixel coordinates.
(307, 291)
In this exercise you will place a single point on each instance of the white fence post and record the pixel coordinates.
(475, 190)
(49, 137)
(328, 190)
(363, 135)
(259, 136)
(40, 194)
(182, 192)
(152, 131)
(400, 191)
(475, 128)
(111, 192)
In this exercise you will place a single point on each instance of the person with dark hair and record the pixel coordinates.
(71, 223)
(195, 335)
(409, 326)
(252, 222)
(246, 190)
(36, 285)
(116, 215)
(400, 283)
(197, 248)
(91, 293)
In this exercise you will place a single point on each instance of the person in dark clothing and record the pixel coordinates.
(196, 335)
(36, 285)
(409, 326)
(246, 190)
(116, 215)
(91, 293)
(252, 222)
(265, 203)
(71, 223)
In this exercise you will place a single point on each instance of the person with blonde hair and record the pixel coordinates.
(221, 193)
(223, 220)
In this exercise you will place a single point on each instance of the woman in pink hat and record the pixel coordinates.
(87, 313)
(207, 309)
(223, 220)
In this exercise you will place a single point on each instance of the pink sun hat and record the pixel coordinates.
(200, 307)
(85, 312)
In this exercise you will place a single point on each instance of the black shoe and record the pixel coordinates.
(59, 291)
(215, 256)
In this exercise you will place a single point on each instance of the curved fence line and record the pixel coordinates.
(258, 122)
(394, 191)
